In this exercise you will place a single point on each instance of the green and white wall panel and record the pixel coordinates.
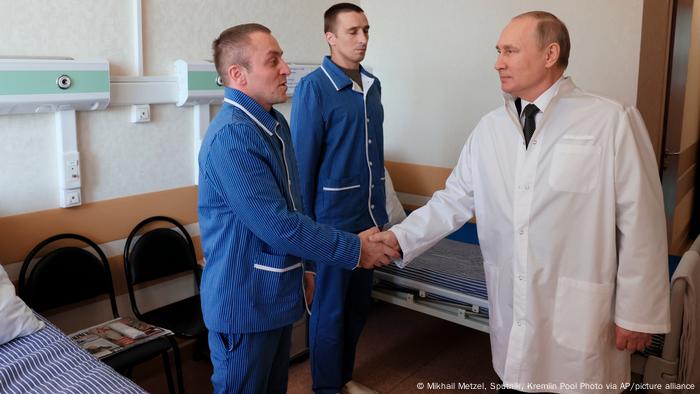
(49, 85)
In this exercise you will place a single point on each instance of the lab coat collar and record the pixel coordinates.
(561, 86)
(545, 98)
(255, 111)
(338, 77)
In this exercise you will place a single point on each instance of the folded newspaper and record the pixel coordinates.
(116, 335)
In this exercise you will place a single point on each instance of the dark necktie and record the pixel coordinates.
(529, 127)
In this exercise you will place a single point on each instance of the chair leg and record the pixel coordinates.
(178, 365)
(168, 373)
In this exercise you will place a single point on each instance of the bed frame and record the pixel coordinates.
(446, 301)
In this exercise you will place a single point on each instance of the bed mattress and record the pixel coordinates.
(452, 265)
(49, 362)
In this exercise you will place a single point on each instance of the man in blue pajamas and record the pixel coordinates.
(337, 119)
(253, 236)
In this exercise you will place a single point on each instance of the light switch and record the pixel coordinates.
(71, 171)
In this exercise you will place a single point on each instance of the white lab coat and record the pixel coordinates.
(573, 235)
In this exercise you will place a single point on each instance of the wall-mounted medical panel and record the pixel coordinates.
(49, 85)
(198, 83)
(297, 72)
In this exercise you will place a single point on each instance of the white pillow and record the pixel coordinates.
(17, 319)
(393, 206)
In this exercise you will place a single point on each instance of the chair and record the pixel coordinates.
(70, 274)
(665, 369)
(159, 253)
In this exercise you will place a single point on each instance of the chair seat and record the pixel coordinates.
(183, 318)
(138, 354)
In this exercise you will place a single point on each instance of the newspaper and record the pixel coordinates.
(116, 335)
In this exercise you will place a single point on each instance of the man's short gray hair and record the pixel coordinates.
(551, 29)
(231, 47)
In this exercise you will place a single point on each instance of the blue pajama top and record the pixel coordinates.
(254, 235)
(338, 138)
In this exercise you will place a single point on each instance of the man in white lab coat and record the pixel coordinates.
(567, 196)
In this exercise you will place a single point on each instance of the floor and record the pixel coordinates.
(401, 351)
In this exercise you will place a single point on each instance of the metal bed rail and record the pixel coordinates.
(455, 313)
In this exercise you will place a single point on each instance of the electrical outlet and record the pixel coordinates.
(70, 198)
(140, 113)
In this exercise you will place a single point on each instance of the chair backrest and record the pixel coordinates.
(158, 253)
(65, 275)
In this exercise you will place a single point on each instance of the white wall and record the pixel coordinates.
(74, 28)
(297, 24)
(435, 61)
(120, 158)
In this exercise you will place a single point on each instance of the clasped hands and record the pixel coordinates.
(378, 248)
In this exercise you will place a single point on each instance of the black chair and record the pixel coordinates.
(70, 274)
(159, 253)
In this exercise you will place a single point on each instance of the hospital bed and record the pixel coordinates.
(447, 282)
(47, 361)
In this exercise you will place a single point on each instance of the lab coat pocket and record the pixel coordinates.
(277, 278)
(340, 195)
(574, 168)
(492, 289)
(582, 315)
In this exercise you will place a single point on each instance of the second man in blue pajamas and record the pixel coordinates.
(337, 119)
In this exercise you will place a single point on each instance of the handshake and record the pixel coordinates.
(379, 248)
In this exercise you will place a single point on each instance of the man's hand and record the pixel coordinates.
(375, 254)
(631, 340)
(388, 238)
(309, 287)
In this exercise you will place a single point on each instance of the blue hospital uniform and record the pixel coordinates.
(254, 238)
(338, 138)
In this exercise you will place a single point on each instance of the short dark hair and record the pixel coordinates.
(231, 47)
(551, 29)
(331, 14)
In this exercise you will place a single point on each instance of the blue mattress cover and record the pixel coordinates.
(47, 361)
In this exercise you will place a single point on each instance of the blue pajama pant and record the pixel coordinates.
(341, 303)
(254, 363)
